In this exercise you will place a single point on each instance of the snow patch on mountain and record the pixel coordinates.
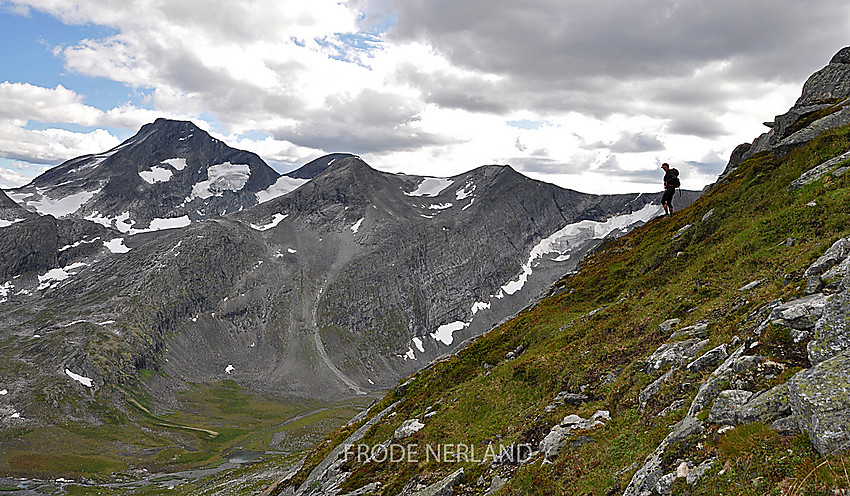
(116, 245)
(221, 177)
(176, 163)
(431, 186)
(79, 243)
(561, 242)
(356, 226)
(124, 224)
(61, 207)
(465, 192)
(53, 276)
(156, 175)
(478, 306)
(572, 235)
(7, 223)
(282, 186)
(4, 290)
(445, 331)
(85, 381)
(277, 219)
(169, 223)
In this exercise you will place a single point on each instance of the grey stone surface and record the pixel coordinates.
(800, 314)
(766, 406)
(443, 488)
(698, 330)
(831, 332)
(709, 390)
(710, 359)
(407, 429)
(726, 406)
(668, 325)
(558, 435)
(819, 171)
(672, 354)
(647, 477)
(496, 485)
(697, 473)
(786, 426)
(820, 402)
(652, 389)
(834, 255)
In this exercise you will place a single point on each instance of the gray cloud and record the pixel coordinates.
(635, 143)
(640, 57)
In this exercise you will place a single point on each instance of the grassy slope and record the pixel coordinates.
(639, 281)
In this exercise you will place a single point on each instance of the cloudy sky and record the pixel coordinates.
(590, 95)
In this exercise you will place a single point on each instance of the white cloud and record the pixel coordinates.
(618, 86)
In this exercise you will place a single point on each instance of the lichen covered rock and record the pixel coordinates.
(820, 401)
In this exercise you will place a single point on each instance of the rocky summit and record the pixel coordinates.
(169, 174)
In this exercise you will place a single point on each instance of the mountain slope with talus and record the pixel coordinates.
(700, 354)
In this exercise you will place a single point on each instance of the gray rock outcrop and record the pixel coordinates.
(672, 354)
(822, 105)
(820, 401)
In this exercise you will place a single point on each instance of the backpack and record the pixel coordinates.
(674, 183)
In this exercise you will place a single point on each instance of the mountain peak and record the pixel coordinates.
(315, 167)
(842, 57)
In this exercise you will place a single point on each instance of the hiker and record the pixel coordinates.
(671, 182)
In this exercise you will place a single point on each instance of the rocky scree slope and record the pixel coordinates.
(703, 354)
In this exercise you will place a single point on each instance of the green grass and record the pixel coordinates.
(639, 281)
(211, 421)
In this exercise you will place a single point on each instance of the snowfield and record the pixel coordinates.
(156, 175)
(221, 177)
(431, 186)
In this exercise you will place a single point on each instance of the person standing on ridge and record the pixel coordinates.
(671, 182)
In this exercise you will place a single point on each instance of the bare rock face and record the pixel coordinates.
(822, 105)
(820, 401)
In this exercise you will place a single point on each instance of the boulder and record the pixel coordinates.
(557, 437)
(833, 256)
(820, 402)
(668, 325)
(495, 485)
(710, 359)
(698, 330)
(766, 407)
(831, 334)
(696, 474)
(553, 442)
(652, 389)
(786, 426)
(443, 488)
(567, 398)
(726, 406)
(672, 354)
(647, 477)
(800, 314)
(408, 428)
